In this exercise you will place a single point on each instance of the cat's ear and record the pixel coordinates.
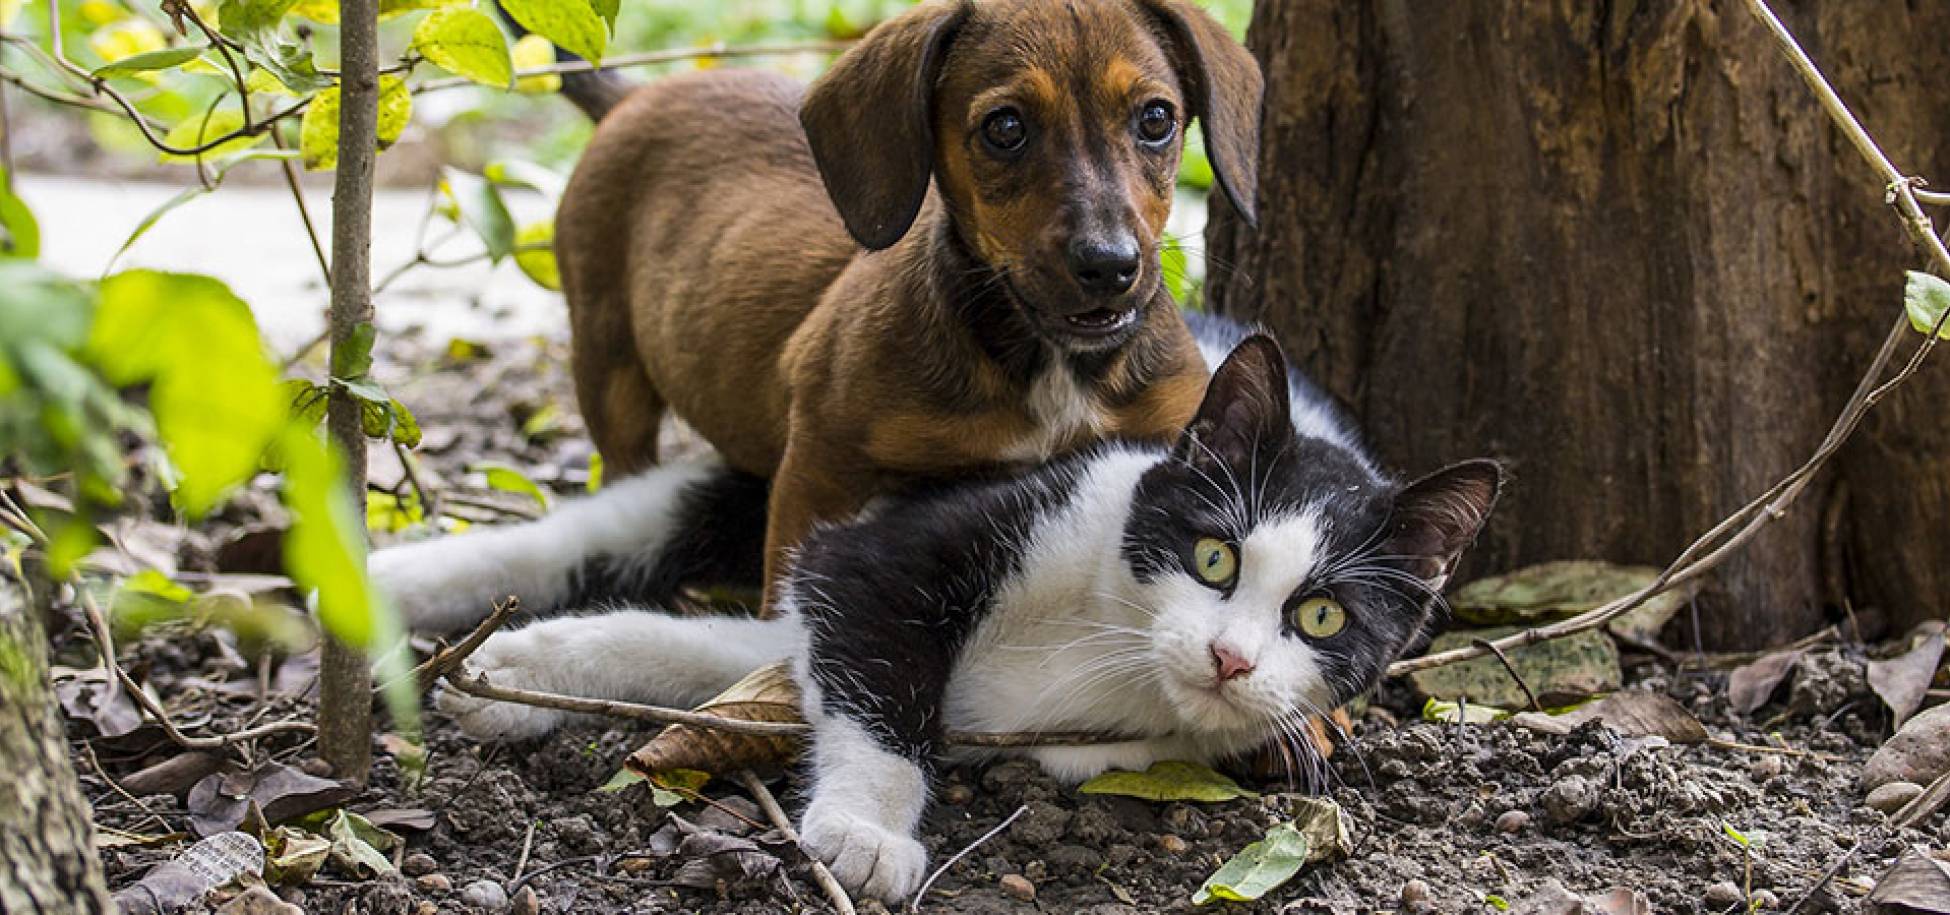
(1245, 408)
(1438, 516)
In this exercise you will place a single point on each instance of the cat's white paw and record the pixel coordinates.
(512, 659)
(864, 855)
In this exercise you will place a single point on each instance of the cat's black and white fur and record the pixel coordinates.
(1202, 598)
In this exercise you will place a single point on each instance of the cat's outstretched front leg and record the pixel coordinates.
(866, 805)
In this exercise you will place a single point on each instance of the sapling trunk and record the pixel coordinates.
(345, 675)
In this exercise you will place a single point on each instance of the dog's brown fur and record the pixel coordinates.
(711, 246)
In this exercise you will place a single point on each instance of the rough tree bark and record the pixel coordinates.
(345, 673)
(48, 864)
(1614, 243)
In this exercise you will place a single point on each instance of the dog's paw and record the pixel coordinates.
(511, 659)
(864, 855)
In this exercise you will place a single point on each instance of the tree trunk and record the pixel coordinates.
(1613, 243)
(345, 673)
(47, 841)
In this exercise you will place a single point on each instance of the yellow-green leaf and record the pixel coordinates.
(127, 38)
(465, 42)
(535, 254)
(508, 479)
(573, 24)
(1927, 298)
(533, 52)
(318, 131)
(1258, 869)
(1168, 781)
(161, 59)
(214, 393)
(198, 129)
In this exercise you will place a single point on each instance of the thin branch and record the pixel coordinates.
(475, 684)
(149, 706)
(1713, 547)
(1511, 669)
(1920, 807)
(1933, 198)
(448, 660)
(304, 212)
(773, 812)
(655, 57)
(914, 905)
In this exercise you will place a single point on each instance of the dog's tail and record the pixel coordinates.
(593, 91)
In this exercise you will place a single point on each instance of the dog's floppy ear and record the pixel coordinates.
(1225, 88)
(870, 121)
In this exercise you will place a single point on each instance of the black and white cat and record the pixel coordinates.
(1202, 598)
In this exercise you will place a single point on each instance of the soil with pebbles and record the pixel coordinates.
(1453, 816)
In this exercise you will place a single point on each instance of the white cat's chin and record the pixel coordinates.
(1203, 709)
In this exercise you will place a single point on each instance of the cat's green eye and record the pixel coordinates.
(1214, 561)
(1319, 617)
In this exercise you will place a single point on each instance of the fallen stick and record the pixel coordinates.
(776, 814)
(448, 660)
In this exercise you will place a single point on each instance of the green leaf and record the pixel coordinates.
(214, 393)
(518, 173)
(573, 24)
(595, 472)
(1458, 713)
(318, 130)
(508, 479)
(535, 254)
(1734, 834)
(308, 401)
(391, 514)
(622, 779)
(1258, 868)
(406, 427)
(20, 234)
(259, 26)
(1168, 781)
(608, 10)
(482, 209)
(324, 548)
(148, 60)
(1496, 902)
(466, 42)
(1927, 298)
(358, 847)
(354, 359)
(200, 128)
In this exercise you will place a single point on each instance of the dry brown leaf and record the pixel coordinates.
(1633, 713)
(1751, 684)
(1918, 883)
(766, 694)
(1903, 681)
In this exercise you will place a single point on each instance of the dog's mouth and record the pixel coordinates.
(1100, 322)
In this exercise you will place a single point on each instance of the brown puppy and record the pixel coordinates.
(781, 271)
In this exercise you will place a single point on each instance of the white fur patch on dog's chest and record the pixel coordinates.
(1064, 414)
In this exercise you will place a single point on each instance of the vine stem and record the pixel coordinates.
(1713, 547)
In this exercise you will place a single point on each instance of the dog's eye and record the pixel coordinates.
(1004, 130)
(1156, 124)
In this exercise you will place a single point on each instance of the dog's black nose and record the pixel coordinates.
(1104, 266)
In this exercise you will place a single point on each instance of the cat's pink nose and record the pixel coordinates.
(1230, 664)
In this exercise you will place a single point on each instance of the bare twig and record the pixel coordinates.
(106, 644)
(1921, 806)
(1732, 533)
(647, 58)
(821, 876)
(1511, 669)
(527, 844)
(448, 660)
(304, 210)
(1826, 876)
(1738, 747)
(475, 684)
(914, 905)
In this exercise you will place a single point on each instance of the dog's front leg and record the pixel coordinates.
(805, 493)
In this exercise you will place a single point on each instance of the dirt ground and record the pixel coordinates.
(1447, 817)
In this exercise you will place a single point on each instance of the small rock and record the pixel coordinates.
(957, 795)
(427, 907)
(316, 767)
(437, 884)
(1019, 888)
(417, 864)
(1765, 899)
(1723, 895)
(1570, 800)
(1766, 768)
(258, 901)
(1414, 893)
(1918, 753)
(485, 895)
(872, 907)
(1172, 845)
(1512, 821)
(1035, 871)
(1891, 797)
(525, 903)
